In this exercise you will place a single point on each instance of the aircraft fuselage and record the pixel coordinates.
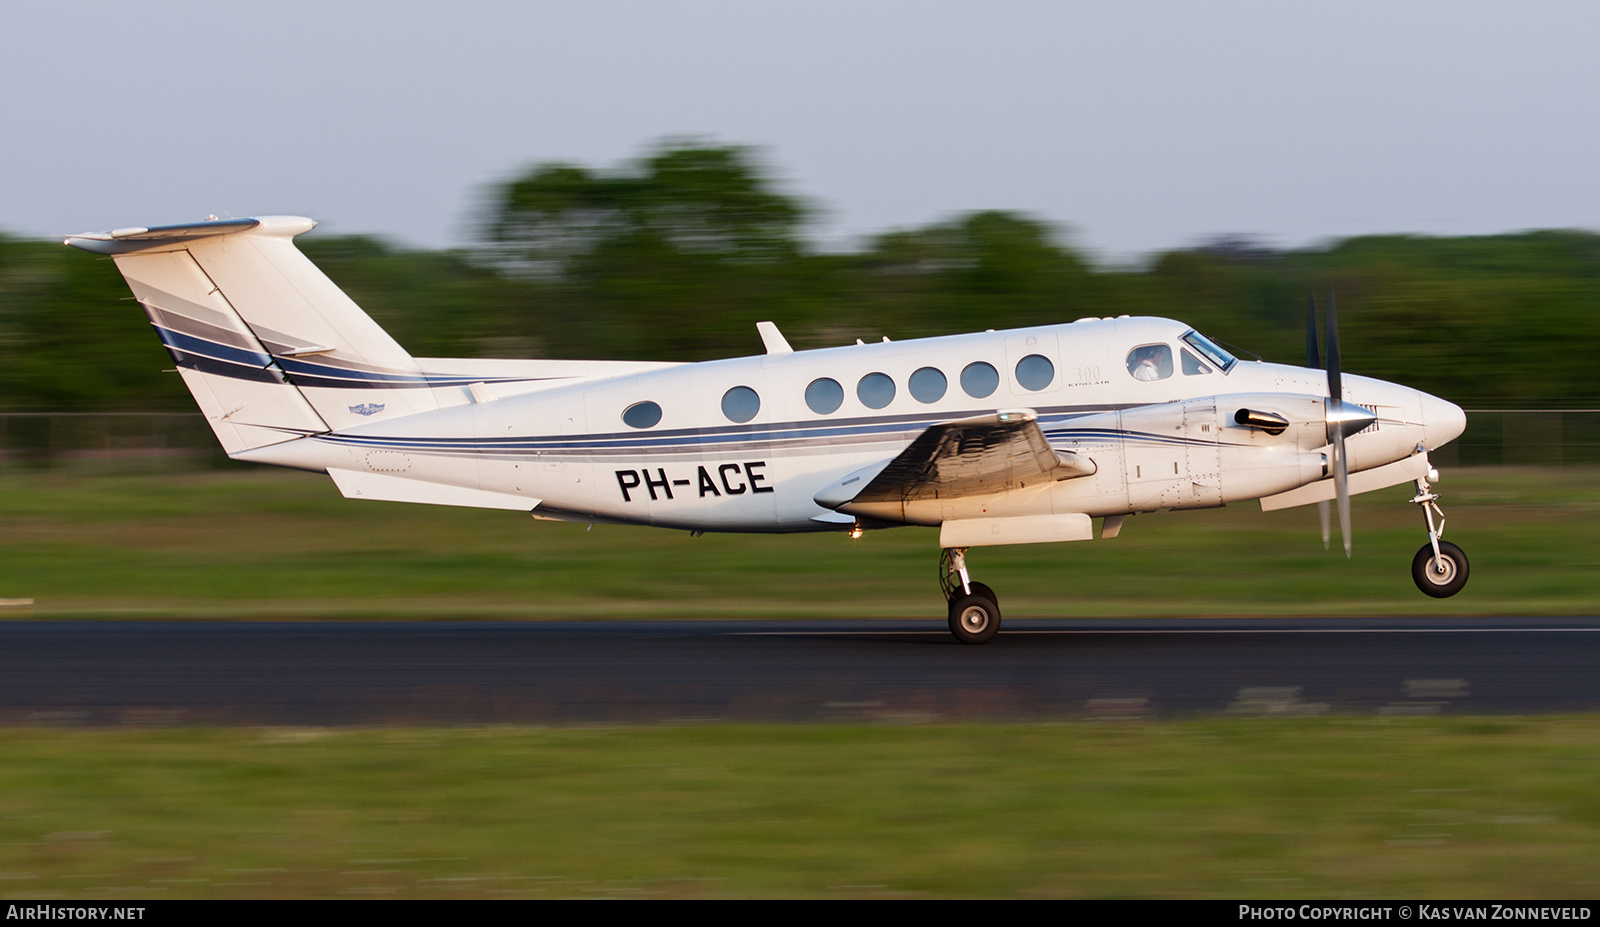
(1172, 442)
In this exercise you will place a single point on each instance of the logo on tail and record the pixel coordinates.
(367, 408)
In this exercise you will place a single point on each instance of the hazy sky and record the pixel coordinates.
(1135, 126)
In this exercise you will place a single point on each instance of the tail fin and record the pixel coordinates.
(269, 346)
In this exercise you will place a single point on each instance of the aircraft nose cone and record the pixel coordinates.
(1442, 421)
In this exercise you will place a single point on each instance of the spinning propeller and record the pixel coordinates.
(1343, 419)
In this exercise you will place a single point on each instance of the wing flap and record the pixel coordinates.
(1022, 529)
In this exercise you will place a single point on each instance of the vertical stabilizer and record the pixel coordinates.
(349, 369)
(244, 395)
(270, 348)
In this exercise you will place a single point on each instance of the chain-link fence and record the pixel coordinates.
(131, 440)
(182, 440)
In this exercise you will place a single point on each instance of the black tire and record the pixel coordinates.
(1431, 581)
(954, 592)
(981, 589)
(975, 617)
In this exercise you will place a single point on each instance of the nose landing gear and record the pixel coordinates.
(1440, 568)
(974, 608)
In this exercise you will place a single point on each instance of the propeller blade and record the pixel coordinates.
(1335, 385)
(1314, 360)
(1341, 487)
(1342, 419)
(1313, 356)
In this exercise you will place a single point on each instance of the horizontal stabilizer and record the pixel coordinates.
(384, 488)
(124, 241)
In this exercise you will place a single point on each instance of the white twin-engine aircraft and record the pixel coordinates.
(1008, 437)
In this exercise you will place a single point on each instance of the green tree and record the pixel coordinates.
(977, 271)
(666, 256)
(676, 256)
(71, 339)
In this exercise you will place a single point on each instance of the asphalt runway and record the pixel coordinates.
(344, 673)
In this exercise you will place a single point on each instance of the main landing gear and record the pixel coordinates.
(974, 608)
(1440, 567)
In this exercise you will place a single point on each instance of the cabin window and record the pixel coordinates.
(1191, 364)
(740, 404)
(928, 385)
(642, 415)
(1150, 362)
(1035, 372)
(824, 396)
(979, 380)
(875, 390)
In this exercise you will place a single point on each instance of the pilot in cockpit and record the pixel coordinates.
(1150, 362)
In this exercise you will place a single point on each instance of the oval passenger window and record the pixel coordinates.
(824, 396)
(740, 404)
(928, 385)
(875, 390)
(979, 379)
(642, 415)
(1035, 372)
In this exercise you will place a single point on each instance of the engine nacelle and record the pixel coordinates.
(1270, 422)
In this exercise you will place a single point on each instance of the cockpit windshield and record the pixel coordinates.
(1209, 350)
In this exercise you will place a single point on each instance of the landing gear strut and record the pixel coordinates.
(974, 608)
(1440, 567)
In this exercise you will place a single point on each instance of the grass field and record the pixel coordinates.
(1398, 808)
(273, 544)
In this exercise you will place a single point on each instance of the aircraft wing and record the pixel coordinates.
(969, 457)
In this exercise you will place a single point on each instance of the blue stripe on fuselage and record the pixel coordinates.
(788, 434)
(225, 360)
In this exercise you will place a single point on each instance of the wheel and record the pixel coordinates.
(977, 589)
(1437, 582)
(975, 617)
